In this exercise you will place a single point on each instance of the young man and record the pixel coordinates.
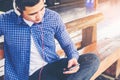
(29, 31)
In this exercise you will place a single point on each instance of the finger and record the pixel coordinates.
(70, 64)
(71, 71)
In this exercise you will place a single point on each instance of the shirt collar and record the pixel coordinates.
(30, 23)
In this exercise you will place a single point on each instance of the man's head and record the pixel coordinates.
(32, 10)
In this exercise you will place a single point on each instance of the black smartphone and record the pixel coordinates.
(68, 69)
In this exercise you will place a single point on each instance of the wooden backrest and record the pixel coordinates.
(86, 28)
(1, 51)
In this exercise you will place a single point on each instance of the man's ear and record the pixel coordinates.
(16, 9)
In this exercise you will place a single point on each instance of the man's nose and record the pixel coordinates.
(39, 14)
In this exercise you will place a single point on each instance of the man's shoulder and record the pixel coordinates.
(8, 15)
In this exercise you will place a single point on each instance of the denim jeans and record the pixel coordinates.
(54, 71)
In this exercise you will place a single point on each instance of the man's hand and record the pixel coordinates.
(72, 62)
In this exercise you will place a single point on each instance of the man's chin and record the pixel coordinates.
(37, 22)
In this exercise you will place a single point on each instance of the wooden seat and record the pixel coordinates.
(85, 31)
(1, 51)
(108, 51)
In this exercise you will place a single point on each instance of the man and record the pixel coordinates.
(29, 31)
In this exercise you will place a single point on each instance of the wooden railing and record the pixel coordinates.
(85, 27)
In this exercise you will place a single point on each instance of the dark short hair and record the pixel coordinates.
(21, 4)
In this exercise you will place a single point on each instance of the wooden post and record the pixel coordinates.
(1, 51)
(95, 4)
(89, 35)
(117, 68)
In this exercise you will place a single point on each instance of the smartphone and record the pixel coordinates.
(68, 69)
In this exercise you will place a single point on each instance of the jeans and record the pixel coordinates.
(54, 71)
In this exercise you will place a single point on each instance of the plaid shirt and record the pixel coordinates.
(17, 42)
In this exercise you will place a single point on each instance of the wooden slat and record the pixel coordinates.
(87, 25)
(1, 50)
(108, 52)
(107, 62)
(1, 54)
(84, 22)
(118, 68)
(89, 35)
(60, 52)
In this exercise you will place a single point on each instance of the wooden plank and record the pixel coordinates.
(1, 54)
(84, 22)
(106, 63)
(95, 4)
(1, 50)
(88, 25)
(108, 52)
(118, 68)
(89, 35)
(60, 52)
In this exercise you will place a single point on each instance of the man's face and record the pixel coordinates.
(34, 13)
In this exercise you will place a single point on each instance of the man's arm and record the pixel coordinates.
(65, 41)
(67, 45)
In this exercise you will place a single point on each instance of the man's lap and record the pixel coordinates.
(54, 71)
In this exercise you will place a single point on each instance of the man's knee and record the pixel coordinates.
(89, 59)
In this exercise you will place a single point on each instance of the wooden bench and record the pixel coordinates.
(1, 50)
(108, 51)
(83, 32)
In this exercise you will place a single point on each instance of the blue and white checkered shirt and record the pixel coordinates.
(17, 42)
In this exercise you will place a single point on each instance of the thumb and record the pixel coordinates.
(70, 64)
